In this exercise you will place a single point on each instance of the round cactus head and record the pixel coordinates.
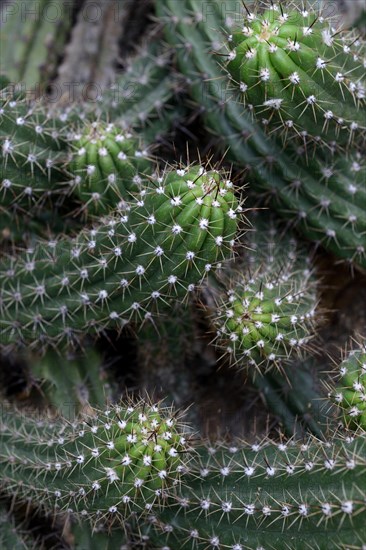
(350, 394)
(106, 165)
(263, 321)
(267, 312)
(300, 74)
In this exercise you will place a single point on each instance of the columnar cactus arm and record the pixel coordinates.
(285, 495)
(265, 315)
(107, 166)
(104, 467)
(295, 398)
(69, 383)
(264, 320)
(32, 151)
(349, 395)
(299, 74)
(324, 200)
(145, 90)
(40, 28)
(126, 269)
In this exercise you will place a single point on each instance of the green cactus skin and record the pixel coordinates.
(69, 383)
(40, 28)
(146, 96)
(126, 269)
(295, 399)
(287, 495)
(86, 539)
(267, 312)
(350, 393)
(322, 195)
(270, 253)
(298, 73)
(32, 151)
(264, 321)
(103, 467)
(107, 165)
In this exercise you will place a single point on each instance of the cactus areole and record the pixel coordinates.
(297, 73)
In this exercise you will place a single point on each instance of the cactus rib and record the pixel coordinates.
(350, 393)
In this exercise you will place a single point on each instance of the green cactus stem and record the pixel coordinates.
(264, 320)
(295, 398)
(128, 268)
(300, 74)
(286, 495)
(107, 165)
(33, 36)
(266, 314)
(350, 393)
(101, 467)
(69, 383)
(323, 196)
(32, 151)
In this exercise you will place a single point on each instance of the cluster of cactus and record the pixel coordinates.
(135, 459)
(319, 190)
(106, 228)
(297, 73)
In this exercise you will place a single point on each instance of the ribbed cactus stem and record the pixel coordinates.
(107, 165)
(101, 467)
(33, 35)
(264, 320)
(350, 393)
(266, 314)
(299, 74)
(287, 495)
(32, 150)
(126, 269)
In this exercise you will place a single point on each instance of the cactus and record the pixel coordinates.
(41, 28)
(295, 398)
(299, 74)
(125, 269)
(350, 393)
(144, 93)
(283, 495)
(107, 166)
(103, 467)
(322, 194)
(69, 383)
(118, 462)
(263, 319)
(266, 314)
(32, 151)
